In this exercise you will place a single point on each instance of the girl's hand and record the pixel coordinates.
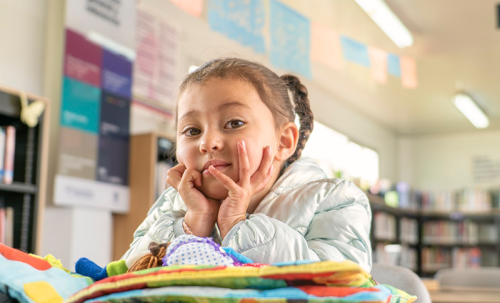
(233, 208)
(202, 212)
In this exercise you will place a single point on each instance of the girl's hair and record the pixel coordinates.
(285, 96)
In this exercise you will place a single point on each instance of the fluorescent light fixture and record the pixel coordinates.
(111, 45)
(387, 21)
(471, 111)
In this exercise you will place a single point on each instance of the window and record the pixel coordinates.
(339, 157)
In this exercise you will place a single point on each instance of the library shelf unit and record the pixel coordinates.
(146, 152)
(490, 249)
(26, 194)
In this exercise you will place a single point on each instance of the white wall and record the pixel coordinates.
(22, 36)
(444, 162)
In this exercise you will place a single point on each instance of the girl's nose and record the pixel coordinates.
(210, 144)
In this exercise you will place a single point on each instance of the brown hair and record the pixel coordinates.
(272, 89)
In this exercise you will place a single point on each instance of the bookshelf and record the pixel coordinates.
(432, 239)
(149, 154)
(24, 198)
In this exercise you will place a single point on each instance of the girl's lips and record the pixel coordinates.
(219, 167)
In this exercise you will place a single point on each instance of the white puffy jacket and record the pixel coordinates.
(305, 216)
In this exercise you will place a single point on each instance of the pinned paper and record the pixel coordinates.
(378, 61)
(325, 46)
(408, 72)
(393, 65)
(290, 39)
(192, 7)
(240, 20)
(355, 51)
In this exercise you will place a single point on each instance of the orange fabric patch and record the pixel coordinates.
(17, 255)
(325, 291)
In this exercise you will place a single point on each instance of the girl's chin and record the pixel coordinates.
(213, 190)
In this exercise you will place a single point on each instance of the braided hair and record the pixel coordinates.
(285, 96)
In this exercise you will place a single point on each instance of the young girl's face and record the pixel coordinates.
(212, 119)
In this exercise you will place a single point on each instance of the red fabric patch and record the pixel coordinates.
(17, 255)
(325, 291)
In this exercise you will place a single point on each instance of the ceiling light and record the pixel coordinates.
(470, 110)
(387, 21)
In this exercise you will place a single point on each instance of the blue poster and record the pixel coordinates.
(112, 159)
(393, 65)
(80, 106)
(290, 39)
(116, 74)
(115, 115)
(240, 20)
(355, 51)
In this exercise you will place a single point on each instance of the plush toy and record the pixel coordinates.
(184, 250)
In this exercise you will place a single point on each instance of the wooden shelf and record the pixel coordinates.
(18, 188)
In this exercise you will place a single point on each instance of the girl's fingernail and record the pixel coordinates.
(269, 149)
(242, 144)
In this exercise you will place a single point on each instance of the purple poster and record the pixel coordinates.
(116, 74)
(82, 59)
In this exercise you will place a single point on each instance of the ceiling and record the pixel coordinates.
(457, 48)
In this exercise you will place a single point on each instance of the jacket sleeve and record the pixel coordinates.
(339, 230)
(162, 224)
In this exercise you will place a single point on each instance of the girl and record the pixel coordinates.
(240, 179)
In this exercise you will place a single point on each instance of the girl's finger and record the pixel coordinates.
(244, 164)
(174, 175)
(227, 182)
(190, 178)
(265, 181)
(262, 172)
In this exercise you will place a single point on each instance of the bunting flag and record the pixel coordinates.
(192, 7)
(325, 46)
(393, 65)
(408, 73)
(240, 20)
(290, 39)
(378, 61)
(355, 51)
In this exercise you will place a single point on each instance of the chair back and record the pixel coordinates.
(488, 277)
(402, 278)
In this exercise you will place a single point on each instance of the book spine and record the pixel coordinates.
(2, 220)
(9, 226)
(10, 143)
(2, 152)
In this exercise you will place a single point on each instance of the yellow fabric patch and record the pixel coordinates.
(42, 292)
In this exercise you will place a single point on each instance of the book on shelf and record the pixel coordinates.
(434, 259)
(450, 233)
(385, 226)
(408, 232)
(10, 143)
(2, 152)
(401, 255)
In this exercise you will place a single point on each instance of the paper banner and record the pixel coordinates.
(240, 20)
(355, 51)
(82, 60)
(157, 45)
(290, 39)
(80, 106)
(408, 72)
(192, 7)
(378, 61)
(325, 46)
(393, 65)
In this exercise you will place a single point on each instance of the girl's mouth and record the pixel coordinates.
(217, 164)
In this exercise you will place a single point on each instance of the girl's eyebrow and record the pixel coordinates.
(224, 106)
(232, 104)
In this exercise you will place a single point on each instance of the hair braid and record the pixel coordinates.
(152, 259)
(303, 109)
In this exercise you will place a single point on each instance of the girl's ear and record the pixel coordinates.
(287, 143)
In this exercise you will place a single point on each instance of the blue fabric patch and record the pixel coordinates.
(290, 263)
(240, 257)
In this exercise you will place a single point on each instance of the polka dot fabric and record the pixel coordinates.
(193, 250)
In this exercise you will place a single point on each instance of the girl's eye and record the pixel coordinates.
(234, 124)
(192, 132)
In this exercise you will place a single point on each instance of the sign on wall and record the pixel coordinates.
(95, 105)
